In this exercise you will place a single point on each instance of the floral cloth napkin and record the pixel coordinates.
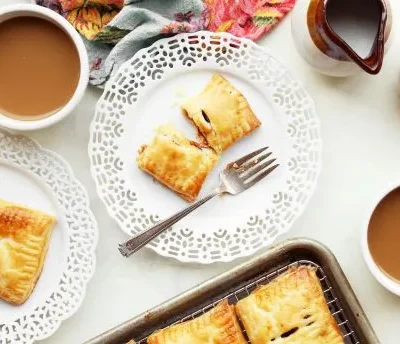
(114, 30)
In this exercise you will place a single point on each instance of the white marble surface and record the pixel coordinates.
(361, 131)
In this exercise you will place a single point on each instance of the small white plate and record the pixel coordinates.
(37, 178)
(146, 93)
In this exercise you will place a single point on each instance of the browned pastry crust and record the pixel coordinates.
(289, 310)
(221, 114)
(218, 326)
(24, 240)
(178, 163)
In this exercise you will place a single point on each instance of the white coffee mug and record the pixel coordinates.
(13, 11)
(387, 282)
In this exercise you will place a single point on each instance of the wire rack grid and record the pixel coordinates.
(332, 300)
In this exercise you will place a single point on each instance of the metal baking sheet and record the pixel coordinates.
(240, 281)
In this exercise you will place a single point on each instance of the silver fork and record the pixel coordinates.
(237, 177)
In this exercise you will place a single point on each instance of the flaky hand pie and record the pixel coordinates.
(289, 310)
(221, 114)
(178, 163)
(218, 326)
(24, 240)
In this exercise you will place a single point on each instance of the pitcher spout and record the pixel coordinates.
(372, 61)
(351, 30)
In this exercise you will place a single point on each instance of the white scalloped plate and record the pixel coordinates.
(146, 92)
(38, 178)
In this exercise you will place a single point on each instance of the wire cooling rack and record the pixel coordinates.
(329, 293)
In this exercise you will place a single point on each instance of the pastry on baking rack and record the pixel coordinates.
(178, 163)
(218, 326)
(289, 310)
(221, 114)
(24, 240)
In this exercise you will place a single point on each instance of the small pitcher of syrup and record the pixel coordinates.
(341, 37)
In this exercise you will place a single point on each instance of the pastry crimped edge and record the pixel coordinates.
(171, 171)
(219, 326)
(280, 294)
(220, 139)
(24, 240)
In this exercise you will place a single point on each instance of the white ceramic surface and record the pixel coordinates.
(127, 117)
(360, 119)
(16, 10)
(389, 283)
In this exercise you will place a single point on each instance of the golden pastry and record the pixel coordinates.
(218, 326)
(24, 240)
(221, 114)
(178, 163)
(289, 310)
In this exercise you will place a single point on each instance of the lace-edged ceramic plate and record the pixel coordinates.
(38, 178)
(146, 92)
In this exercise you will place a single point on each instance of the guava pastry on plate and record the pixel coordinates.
(177, 162)
(48, 237)
(25, 236)
(221, 114)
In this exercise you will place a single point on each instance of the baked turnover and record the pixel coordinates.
(221, 114)
(178, 163)
(24, 240)
(218, 326)
(289, 310)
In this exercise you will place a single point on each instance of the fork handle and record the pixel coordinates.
(137, 242)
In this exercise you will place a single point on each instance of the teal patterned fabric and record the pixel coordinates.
(137, 25)
(116, 29)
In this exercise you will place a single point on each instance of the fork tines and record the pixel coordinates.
(254, 167)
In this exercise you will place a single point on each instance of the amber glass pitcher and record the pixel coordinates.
(340, 37)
